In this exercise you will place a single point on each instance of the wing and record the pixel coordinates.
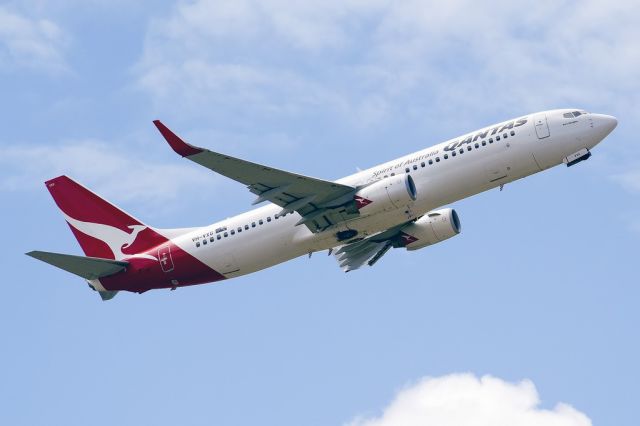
(369, 250)
(321, 203)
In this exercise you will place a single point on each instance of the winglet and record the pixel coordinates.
(178, 145)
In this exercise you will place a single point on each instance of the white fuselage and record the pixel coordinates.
(475, 162)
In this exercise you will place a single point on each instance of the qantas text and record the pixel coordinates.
(484, 133)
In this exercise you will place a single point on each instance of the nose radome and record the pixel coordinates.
(611, 122)
(606, 122)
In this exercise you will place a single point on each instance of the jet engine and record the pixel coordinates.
(434, 227)
(390, 193)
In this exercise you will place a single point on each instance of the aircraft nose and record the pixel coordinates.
(606, 122)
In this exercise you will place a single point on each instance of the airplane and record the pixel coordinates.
(397, 204)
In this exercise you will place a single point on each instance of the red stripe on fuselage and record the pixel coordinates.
(144, 274)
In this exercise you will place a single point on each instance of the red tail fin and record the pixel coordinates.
(102, 229)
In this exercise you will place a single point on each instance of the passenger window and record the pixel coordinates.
(461, 150)
(469, 148)
(211, 239)
(233, 232)
(260, 222)
(197, 244)
(393, 174)
(513, 133)
(490, 140)
(239, 228)
(453, 153)
(497, 138)
(268, 218)
(406, 170)
(253, 224)
(204, 242)
(218, 237)
(505, 136)
(430, 162)
(476, 145)
(446, 157)
(484, 143)
(422, 164)
(437, 159)
(415, 167)
(226, 234)
(246, 227)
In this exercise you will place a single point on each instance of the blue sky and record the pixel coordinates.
(530, 316)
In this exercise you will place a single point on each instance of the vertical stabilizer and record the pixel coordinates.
(102, 229)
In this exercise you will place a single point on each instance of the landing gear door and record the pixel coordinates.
(541, 125)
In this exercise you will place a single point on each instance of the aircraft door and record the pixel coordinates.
(541, 125)
(165, 259)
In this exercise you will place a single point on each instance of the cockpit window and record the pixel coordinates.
(573, 114)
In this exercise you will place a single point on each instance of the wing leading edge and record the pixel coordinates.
(321, 203)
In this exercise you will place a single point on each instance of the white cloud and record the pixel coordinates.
(366, 60)
(629, 180)
(31, 43)
(236, 55)
(112, 171)
(463, 399)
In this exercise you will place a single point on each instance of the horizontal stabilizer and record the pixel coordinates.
(90, 268)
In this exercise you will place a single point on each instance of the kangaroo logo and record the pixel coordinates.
(408, 239)
(361, 202)
(113, 237)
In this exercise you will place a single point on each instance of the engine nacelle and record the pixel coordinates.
(435, 226)
(390, 193)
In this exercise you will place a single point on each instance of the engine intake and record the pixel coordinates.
(432, 228)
